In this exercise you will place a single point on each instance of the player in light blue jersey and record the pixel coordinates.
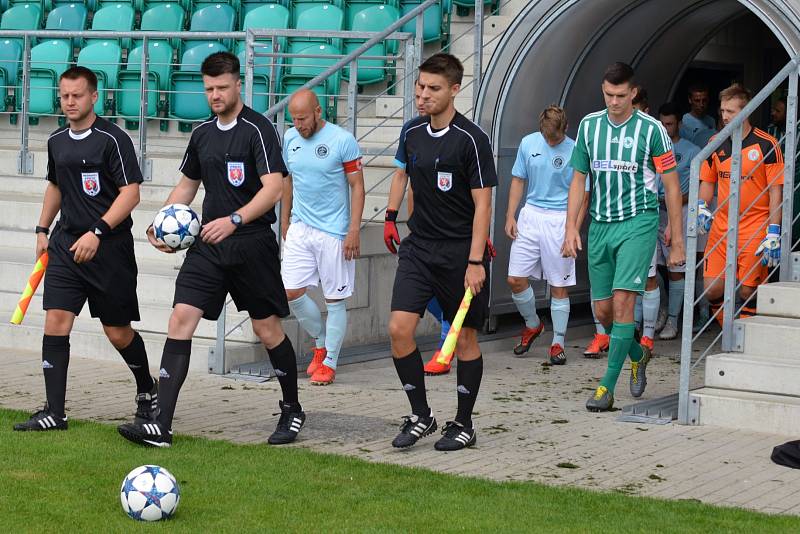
(323, 201)
(697, 126)
(685, 152)
(542, 165)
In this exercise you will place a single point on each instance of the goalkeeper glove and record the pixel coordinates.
(704, 217)
(390, 235)
(770, 248)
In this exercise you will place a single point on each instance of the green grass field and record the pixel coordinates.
(69, 481)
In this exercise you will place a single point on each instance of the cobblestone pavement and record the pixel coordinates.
(530, 419)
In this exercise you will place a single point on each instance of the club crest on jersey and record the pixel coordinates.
(753, 155)
(321, 151)
(444, 181)
(558, 162)
(627, 142)
(236, 173)
(91, 183)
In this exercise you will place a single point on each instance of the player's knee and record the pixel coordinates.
(400, 330)
(294, 294)
(269, 332)
(58, 322)
(652, 283)
(467, 343)
(119, 336)
(517, 284)
(745, 292)
(604, 314)
(713, 290)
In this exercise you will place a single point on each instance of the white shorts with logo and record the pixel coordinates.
(663, 249)
(536, 252)
(311, 256)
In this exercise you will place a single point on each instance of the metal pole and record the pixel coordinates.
(688, 295)
(216, 364)
(477, 59)
(790, 162)
(408, 81)
(732, 243)
(419, 32)
(248, 69)
(25, 161)
(352, 95)
(273, 72)
(143, 111)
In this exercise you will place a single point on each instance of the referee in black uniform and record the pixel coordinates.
(236, 155)
(450, 163)
(93, 180)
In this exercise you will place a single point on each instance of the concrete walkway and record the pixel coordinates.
(530, 418)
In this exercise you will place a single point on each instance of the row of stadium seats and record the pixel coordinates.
(119, 83)
(119, 15)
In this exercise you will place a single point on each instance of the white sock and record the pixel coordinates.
(559, 313)
(526, 304)
(336, 327)
(651, 301)
(309, 317)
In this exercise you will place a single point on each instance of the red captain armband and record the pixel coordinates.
(352, 166)
(665, 162)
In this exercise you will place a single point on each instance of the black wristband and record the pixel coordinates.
(391, 215)
(475, 262)
(101, 229)
(42, 230)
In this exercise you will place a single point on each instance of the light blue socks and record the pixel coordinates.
(309, 317)
(526, 304)
(335, 327)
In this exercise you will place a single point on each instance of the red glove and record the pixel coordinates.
(390, 235)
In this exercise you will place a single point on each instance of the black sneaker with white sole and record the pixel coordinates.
(147, 404)
(289, 425)
(42, 420)
(413, 428)
(455, 436)
(150, 433)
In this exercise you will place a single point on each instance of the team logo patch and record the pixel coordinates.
(627, 142)
(445, 181)
(321, 151)
(753, 155)
(91, 183)
(558, 162)
(678, 157)
(236, 173)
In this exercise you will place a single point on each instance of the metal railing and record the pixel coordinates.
(735, 243)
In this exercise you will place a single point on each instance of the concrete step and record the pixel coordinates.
(779, 299)
(744, 410)
(154, 318)
(749, 372)
(773, 337)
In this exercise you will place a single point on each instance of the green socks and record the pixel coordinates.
(620, 346)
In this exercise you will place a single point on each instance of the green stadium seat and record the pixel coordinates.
(354, 6)
(463, 7)
(158, 77)
(260, 83)
(249, 5)
(10, 62)
(213, 18)
(300, 70)
(104, 58)
(48, 60)
(187, 94)
(435, 21)
(185, 4)
(200, 4)
(22, 17)
(114, 17)
(163, 17)
(267, 16)
(372, 19)
(68, 17)
(318, 16)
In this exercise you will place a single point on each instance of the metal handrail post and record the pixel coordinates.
(248, 69)
(408, 82)
(144, 77)
(352, 95)
(732, 243)
(25, 158)
(419, 33)
(477, 61)
(273, 73)
(790, 162)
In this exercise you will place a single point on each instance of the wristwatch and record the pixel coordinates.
(236, 219)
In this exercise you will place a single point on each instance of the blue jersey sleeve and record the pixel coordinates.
(349, 148)
(400, 155)
(520, 169)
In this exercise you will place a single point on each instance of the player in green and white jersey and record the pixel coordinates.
(622, 150)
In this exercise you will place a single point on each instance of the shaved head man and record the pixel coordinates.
(320, 223)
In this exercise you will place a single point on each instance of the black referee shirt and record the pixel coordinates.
(89, 168)
(444, 166)
(230, 160)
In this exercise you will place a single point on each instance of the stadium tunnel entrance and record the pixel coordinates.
(557, 50)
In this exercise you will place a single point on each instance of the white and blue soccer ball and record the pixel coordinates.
(176, 226)
(150, 493)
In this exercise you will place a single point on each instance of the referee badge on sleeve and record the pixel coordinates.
(91, 183)
(236, 173)
(445, 181)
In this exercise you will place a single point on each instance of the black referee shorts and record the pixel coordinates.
(246, 266)
(108, 281)
(436, 268)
